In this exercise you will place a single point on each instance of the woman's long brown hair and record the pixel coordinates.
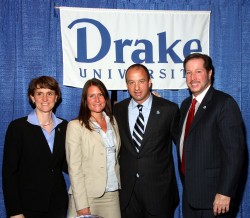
(84, 113)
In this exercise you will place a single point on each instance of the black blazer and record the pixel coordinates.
(214, 149)
(154, 163)
(32, 175)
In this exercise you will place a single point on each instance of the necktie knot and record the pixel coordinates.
(140, 107)
(190, 117)
(194, 102)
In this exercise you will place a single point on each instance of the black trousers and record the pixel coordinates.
(52, 213)
(137, 209)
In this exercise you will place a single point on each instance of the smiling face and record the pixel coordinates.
(197, 77)
(95, 100)
(138, 84)
(44, 99)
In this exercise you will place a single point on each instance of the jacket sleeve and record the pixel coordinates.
(231, 132)
(74, 159)
(10, 170)
(175, 124)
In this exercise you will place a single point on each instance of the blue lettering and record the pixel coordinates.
(119, 45)
(141, 55)
(122, 74)
(163, 50)
(98, 73)
(110, 73)
(81, 73)
(148, 52)
(187, 47)
(183, 73)
(82, 41)
(163, 73)
(172, 73)
(151, 73)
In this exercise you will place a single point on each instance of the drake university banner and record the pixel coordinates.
(103, 43)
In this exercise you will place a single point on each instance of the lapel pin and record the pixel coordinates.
(157, 112)
(58, 129)
(204, 107)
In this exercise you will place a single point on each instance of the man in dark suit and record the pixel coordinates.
(148, 182)
(212, 150)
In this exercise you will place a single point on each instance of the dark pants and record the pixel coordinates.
(137, 209)
(52, 213)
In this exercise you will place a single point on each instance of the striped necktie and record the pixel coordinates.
(138, 129)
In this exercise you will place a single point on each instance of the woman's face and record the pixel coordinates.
(95, 100)
(44, 99)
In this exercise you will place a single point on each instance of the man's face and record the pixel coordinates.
(138, 84)
(197, 77)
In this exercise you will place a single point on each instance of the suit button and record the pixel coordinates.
(137, 175)
(52, 170)
(138, 157)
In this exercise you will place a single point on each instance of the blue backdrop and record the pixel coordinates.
(30, 46)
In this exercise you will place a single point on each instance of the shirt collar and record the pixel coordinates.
(32, 118)
(147, 104)
(200, 97)
(96, 126)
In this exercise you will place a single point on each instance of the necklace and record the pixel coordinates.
(103, 125)
(47, 124)
(98, 120)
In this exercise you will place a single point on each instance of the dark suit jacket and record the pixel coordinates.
(154, 163)
(214, 149)
(32, 175)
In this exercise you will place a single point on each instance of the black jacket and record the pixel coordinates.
(32, 176)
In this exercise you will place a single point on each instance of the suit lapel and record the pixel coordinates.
(202, 108)
(40, 138)
(57, 141)
(185, 108)
(152, 120)
(126, 122)
(97, 135)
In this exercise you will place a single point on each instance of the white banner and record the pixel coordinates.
(103, 43)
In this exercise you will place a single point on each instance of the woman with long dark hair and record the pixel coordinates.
(92, 146)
